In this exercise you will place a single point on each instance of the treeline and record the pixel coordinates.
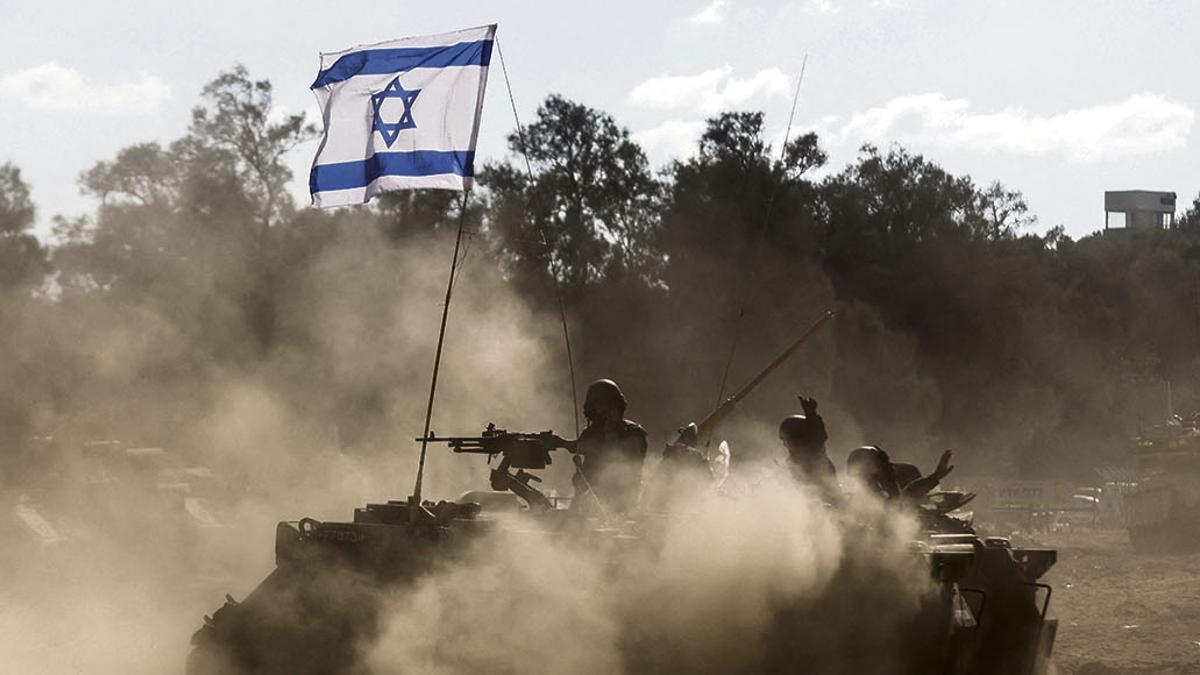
(959, 324)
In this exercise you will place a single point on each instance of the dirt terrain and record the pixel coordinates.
(1121, 612)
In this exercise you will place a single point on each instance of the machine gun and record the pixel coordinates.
(518, 451)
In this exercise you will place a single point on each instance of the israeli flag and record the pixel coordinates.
(399, 115)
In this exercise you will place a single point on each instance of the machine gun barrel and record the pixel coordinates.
(475, 444)
(706, 426)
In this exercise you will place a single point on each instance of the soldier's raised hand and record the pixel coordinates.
(944, 467)
(808, 405)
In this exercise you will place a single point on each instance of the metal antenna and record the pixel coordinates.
(748, 291)
(562, 309)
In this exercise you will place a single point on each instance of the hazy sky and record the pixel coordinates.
(1061, 100)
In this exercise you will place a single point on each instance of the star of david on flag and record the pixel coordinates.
(400, 115)
(391, 132)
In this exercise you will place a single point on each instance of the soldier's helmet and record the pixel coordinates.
(603, 394)
(797, 430)
(689, 434)
(869, 463)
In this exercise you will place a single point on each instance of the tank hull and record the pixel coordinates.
(321, 606)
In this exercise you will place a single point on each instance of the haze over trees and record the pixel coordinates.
(960, 325)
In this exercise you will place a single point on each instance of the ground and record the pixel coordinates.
(1120, 612)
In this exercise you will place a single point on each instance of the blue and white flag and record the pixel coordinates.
(399, 115)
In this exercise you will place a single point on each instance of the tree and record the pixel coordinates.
(143, 173)
(1191, 218)
(721, 199)
(16, 206)
(590, 211)
(1002, 212)
(408, 212)
(22, 257)
(189, 231)
(238, 120)
(734, 138)
(734, 208)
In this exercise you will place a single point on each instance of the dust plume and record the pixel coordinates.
(160, 477)
(771, 579)
(143, 545)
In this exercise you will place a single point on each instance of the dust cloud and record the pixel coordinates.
(770, 579)
(157, 486)
(161, 474)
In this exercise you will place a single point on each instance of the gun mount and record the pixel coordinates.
(517, 450)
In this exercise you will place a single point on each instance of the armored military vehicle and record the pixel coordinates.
(320, 605)
(1162, 511)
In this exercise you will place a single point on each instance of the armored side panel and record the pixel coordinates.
(312, 613)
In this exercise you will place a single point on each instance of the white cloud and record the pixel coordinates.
(1142, 124)
(713, 13)
(278, 113)
(673, 139)
(868, 8)
(709, 92)
(56, 88)
(821, 7)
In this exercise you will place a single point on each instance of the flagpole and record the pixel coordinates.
(437, 357)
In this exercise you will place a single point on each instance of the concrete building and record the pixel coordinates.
(1139, 209)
